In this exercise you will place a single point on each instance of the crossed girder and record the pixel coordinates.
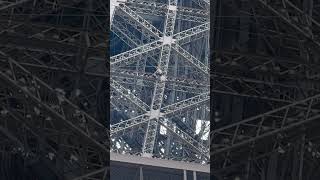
(39, 58)
(149, 91)
(267, 69)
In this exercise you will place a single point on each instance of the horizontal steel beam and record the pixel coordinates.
(123, 158)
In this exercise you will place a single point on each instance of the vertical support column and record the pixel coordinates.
(162, 71)
(185, 175)
(141, 173)
(194, 175)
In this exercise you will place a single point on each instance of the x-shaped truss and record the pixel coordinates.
(159, 47)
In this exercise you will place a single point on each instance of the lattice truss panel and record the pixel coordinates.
(160, 78)
(275, 62)
(52, 72)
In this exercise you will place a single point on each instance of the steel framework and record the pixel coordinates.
(53, 94)
(160, 79)
(266, 89)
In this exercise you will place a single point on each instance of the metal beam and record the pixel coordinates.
(160, 163)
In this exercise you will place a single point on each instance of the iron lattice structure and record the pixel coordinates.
(160, 79)
(53, 76)
(266, 86)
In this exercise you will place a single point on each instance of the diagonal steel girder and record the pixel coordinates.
(284, 15)
(193, 60)
(125, 35)
(264, 125)
(185, 105)
(173, 83)
(127, 57)
(59, 111)
(190, 34)
(196, 144)
(9, 4)
(22, 79)
(129, 95)
(141, 21)
(225, 84)
(128, 37)
(131, 40)
(166, 112)
(142, 119)
(182, 37)
(45, 134)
